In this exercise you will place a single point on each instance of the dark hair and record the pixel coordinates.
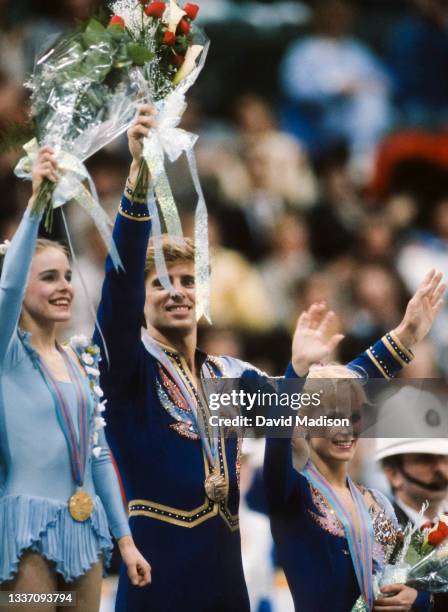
(394, 462)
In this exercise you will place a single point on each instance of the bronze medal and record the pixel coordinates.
(216, 487)
(80, 506)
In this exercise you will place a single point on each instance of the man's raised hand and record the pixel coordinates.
(422, 309)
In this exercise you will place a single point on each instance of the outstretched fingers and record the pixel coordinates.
(316, 313)
(328, 328)
(437, 294)
(304, 320)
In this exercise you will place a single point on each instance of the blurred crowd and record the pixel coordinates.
(334, 187)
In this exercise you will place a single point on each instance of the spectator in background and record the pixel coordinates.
(375, 239)
(315, 288)
(11, 112)
(334, 86)
(238, 298)
(416, 468)
(277, 179)
(108, 172)
(11, 101)
(336, 219)
(429, 245)
(49, 20)
(289, 262)
(419, 58)
(253, 115)
(378, 296)
(11, 50)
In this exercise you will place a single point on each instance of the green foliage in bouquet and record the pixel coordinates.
(73, 83)
(167, 29)
(79, 75)
(418, 548)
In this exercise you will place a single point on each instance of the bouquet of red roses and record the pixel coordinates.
(430, 571)
(420, 560)
(179, 49)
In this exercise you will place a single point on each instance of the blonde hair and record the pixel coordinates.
(334, 382)
(174, 249)
(44, 243)
(41, 245)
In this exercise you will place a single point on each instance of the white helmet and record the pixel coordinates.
(423, 417)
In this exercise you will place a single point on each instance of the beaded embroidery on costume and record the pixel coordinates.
(176, 406)
(385, 533)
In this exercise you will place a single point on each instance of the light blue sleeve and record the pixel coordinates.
(14, 278)
(108, 489)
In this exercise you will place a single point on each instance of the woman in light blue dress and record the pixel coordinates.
(59, 494)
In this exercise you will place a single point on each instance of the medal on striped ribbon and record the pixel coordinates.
(210, 445)
(80, 503)
(360, 543)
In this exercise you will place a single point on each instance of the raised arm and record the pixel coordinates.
(120, 313)
(314, 339)
(17, 262)
(394, 351)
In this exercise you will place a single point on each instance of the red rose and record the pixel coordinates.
(178, 60)
(191, 10)
(438, 535)
(155, 9)
(117, 20)
(169, 38)
(183, 27)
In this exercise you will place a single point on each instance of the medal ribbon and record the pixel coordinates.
(77, 448)
(153, 349)
(360, 546)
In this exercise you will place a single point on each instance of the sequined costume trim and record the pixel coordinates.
(385, 533)
(177, 407)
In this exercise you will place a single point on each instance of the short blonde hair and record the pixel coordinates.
(333, 379)
(174, 249)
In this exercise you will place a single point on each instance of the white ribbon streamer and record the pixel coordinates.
(72, 173)
(170, 140)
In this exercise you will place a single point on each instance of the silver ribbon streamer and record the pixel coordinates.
(84, 287)
(170, 140)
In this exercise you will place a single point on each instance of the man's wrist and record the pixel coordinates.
(405, 336)
(133, 173)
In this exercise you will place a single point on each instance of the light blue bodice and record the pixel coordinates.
(36, 480)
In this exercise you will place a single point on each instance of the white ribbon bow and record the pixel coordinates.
(72, 172)
(170, 140)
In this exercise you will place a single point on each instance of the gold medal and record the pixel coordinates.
(80, 506)
(216, 487)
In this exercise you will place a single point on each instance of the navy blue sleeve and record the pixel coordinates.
(423, 603)
(384, 359)
(280, 477)
(120, 313)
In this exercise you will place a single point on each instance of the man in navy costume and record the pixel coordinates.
(180, 483)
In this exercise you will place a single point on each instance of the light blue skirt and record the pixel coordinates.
(46, 527)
